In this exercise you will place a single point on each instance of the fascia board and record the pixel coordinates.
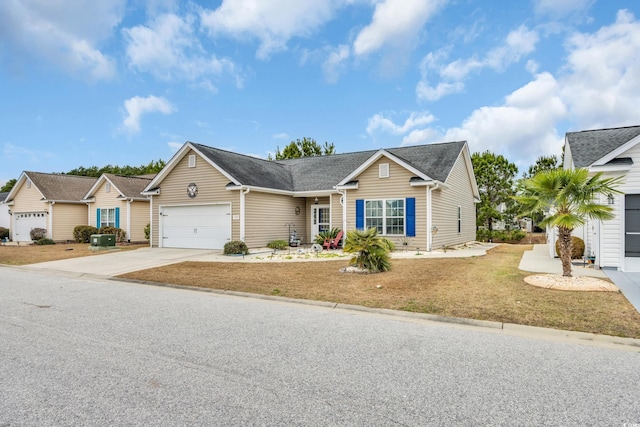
(617, 152)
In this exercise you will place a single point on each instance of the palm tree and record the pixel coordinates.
(372, 251)
(567, 196)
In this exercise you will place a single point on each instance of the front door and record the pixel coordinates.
(320, 222)
(632, 232)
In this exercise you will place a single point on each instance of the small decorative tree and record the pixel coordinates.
(371, 251)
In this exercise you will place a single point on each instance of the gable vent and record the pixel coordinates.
(192, 160)
(383, 170)
(107, 187)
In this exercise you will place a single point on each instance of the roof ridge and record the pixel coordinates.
(611, 128)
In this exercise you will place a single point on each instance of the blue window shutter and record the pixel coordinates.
(117, 217)
(411, 216)
(98, 218)
(360, 214)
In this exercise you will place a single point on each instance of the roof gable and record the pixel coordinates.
(596, 147)
(56, 187)
(129, 187)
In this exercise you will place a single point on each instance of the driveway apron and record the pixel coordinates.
(629, 284)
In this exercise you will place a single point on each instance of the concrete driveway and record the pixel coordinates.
(121, 262)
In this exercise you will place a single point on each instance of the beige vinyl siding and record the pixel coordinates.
(139, 220)
(267, 216)
(446, 200)
(371, 187)
(66, 216)
(211, 189)
(29, 200)
(106, 200)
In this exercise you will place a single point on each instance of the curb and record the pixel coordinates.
(510, 329)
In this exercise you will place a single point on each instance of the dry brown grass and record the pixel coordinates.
(31, 254)
(487, 288)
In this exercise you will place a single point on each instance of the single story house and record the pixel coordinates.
(614, 152)
(4, 211)
(50, 201)
(116, 201)
(424, 195)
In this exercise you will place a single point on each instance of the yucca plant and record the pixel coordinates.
(329, 234)
(371, 251)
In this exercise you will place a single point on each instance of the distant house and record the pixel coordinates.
(614, 152)
(49, 201)
(116, 201)
(4, 211)
(205, 197)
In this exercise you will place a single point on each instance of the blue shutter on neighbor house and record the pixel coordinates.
(117, 217)
(360, 214)
(98, 218)
(411, 216)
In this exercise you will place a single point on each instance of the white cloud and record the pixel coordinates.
(137, 106)
(601, 80)
(46, 30)
(174, 145)
(281, 135)
(378, 123)
(334, 64)
(168, 48)
(559, 9)
(395, 23)
(272, 22)
(516, 45)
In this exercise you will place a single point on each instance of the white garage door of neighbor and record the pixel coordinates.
(26, 221)
(196, 227)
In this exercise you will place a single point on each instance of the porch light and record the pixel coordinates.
(610, 199)
(315, 201)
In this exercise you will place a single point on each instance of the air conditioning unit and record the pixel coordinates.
(103, 240)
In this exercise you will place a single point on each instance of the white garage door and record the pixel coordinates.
(197, 227)
(25, 221)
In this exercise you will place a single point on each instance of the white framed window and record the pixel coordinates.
(192, 160)
(107, 218)
(459, 219)
(386, 215)
(107, 187)
(383, 170)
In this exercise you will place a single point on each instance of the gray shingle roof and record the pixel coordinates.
(3, 196)
(591, 145)
(129, 186)
(322, 173)
(61, 187)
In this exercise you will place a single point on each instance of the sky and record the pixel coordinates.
(97, 82)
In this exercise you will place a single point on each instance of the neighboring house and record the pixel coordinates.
(4, 211)
(205, 197)
(49, 201)
(615, 152)
(116, 201)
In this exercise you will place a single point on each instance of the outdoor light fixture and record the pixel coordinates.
(610, 199)
(315, 202)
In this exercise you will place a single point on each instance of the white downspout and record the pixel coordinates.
(343, 196)
(151, 222)
(243, 192)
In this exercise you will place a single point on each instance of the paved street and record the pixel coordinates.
(77, 351)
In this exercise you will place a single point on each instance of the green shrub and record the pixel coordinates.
(329, 234)
(45, 241)
(236, 247)
(4, 233)
(577, 247)
(120, 234)
(278, 244)
(82, 233)
(37, 234)
(371, 251)
(147, 231)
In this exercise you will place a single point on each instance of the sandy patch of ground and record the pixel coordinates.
(579, 283)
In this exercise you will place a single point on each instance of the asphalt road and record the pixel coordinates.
(91, 352)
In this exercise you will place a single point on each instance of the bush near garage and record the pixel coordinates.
(37, 234)
(120, 234)
(236, 247)
(82, 233)
(147, 231)
(4, 233)
(45, 241)
(278, 244)
(577, 247)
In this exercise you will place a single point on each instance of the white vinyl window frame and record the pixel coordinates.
(107, 217)
(388, 216)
